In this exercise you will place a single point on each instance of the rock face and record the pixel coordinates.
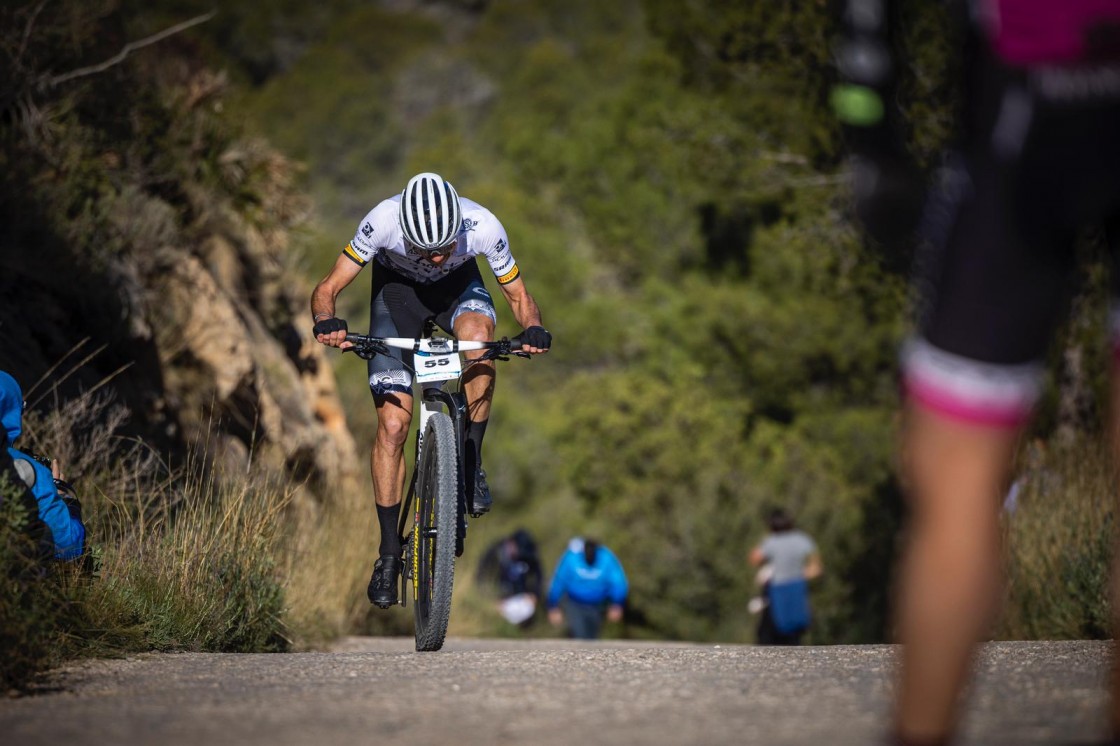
(200, 329)
(259, 396)
(145, 251)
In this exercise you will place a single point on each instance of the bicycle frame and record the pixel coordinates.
(440, 364)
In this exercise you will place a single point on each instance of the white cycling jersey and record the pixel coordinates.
(379, 237)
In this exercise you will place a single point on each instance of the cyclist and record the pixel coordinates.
(512, 564)
(1039, 159)
(423, 244)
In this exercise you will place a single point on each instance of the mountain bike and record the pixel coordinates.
(434, 535)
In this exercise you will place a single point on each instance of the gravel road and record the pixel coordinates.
(546, 692)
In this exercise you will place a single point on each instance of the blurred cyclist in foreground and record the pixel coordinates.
(1039, 159)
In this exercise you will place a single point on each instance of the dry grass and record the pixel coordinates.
(1059, 543)
(327, 567)
(180, 557)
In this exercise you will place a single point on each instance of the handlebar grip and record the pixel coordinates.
(515, 343)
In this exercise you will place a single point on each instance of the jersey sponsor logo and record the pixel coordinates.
(354, 255)
(500, 245)
(389, 381)
(477, 306)
(469, 224)
(510, 276)
(367, 230)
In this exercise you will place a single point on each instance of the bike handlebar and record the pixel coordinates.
(366, 346)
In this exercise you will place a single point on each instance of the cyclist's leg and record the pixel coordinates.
(471, 316)
(387, 466)
(394, 312)
(478, 381)
(949, 584)
(993, 296)
(387, 462)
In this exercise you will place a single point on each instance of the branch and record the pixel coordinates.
(817, 181)
(793, 158)
(127, 49)
(27, 32)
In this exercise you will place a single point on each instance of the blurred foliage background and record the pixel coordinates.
(672, 183)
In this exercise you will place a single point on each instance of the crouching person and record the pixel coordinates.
(57, 506)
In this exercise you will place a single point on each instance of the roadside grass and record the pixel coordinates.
(179, 558)
(1059, 542)
(327, 566)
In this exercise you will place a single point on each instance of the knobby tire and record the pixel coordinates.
(434, 532)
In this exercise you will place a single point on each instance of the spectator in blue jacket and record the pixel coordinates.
(60, 512)
(588, 579)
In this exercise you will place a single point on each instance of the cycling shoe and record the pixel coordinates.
(482, 499)
(382, 589)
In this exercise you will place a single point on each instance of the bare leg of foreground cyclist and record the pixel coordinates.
(950, 584)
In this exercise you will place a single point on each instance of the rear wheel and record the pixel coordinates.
(434, 532)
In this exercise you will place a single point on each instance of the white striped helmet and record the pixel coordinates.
(430, 212)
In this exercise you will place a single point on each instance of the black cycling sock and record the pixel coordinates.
(387, 519)
(475, 433)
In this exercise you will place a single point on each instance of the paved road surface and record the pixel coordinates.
(547, 692)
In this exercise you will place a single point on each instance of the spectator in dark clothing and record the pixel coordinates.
(513, 566)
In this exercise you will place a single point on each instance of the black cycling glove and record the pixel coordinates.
(329, 326)
(536, 336)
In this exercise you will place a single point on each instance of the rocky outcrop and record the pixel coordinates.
(145, 252)
(188, 311)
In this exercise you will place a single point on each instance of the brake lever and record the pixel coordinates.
(357, 352)
(365, 353)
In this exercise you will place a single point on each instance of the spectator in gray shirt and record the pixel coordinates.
(793, 560)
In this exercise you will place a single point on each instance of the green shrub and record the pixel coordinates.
(31, 600)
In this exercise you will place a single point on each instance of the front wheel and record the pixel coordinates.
(434, 531)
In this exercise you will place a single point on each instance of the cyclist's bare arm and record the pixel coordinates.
(325, 294)
(524, 309)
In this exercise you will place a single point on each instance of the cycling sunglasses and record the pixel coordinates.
(447, 250)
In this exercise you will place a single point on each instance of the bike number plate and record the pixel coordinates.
(437, 367)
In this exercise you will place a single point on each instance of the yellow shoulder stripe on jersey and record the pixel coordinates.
(510, 276)
(349, 252)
